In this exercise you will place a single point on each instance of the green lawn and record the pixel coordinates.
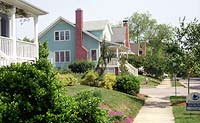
(180, 113)
(152, 82)
(115, 100)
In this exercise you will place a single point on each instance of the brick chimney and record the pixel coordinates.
(127, 42)
(80, 51)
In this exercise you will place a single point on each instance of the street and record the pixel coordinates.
(170, 91)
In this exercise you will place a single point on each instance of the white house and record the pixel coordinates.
(11, 49)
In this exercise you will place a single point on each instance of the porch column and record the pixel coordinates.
(117, 53)
(13, 30)
(36, 36)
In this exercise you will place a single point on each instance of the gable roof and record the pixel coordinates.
(59, 19)
(95, 25)
(118, 34)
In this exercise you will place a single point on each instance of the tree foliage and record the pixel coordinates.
(43, 50)
(141, 26)
(144, 28)
(104, 58)
(188, 34)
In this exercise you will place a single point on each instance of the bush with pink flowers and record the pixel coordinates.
(119, 117)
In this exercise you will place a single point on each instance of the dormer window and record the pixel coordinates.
(62, 35)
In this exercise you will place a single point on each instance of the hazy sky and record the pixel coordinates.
(164, 11)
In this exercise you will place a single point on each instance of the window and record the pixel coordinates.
(57, 36)
(56, 56)
(62, 35)
(140, 52)
(62, 56)
(67, 35)
(67, 56)
(93, 54)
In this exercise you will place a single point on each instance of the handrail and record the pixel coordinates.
(5, 37)
(20, 41)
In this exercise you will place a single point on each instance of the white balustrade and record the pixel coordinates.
(26, 50)
(6, 46)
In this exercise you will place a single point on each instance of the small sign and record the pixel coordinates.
(193, 102)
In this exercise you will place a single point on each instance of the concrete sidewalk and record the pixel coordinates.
(157, 108)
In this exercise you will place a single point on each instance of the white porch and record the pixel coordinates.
(114, 63)
(11, 49)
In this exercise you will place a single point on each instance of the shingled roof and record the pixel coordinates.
(118, 34)
(95, 25)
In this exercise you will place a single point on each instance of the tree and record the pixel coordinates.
(155, 61)
(104, 58)
(144, 28)
(141, 26)
(27, 40)
(43, 50)
(189, 37)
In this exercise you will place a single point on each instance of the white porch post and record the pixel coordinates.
(13, 30)
(117, 53)
(36, 35)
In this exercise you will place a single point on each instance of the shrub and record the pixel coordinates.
(67, 79)
(136, 61)
(82, 108)
(90, 78)
(109, 81)
(81, 66)
(88, 108)
(127, 84)
(28, 91)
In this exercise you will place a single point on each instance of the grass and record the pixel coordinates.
(180, 113)
(177, 99)
(115, 100)
(152, 82)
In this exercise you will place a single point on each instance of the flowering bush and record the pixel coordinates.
(119, 117)
(108, 81)
(90, 78)
(67, 79)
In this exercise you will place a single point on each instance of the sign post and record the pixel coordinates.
(193, 102)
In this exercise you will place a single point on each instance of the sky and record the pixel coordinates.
(164, 11)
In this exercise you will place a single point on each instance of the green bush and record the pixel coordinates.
(109, 81)
(82, 108)
(90, 78)
(136, 61)
(28, 91)
(81, 66)
(127, 84)
(89, 110)
(67, 79)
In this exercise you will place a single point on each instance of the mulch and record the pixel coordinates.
(179, 104)
(142, 96)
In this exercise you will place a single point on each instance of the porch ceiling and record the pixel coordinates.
(30, 9)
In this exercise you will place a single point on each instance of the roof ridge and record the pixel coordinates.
(65, 20)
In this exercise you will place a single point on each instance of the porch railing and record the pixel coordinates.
(26, 50)
(114, 62)
(6, 46)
